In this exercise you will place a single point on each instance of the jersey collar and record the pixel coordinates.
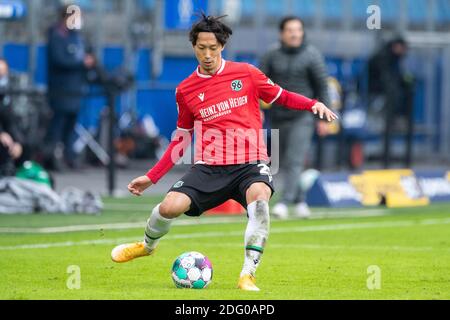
(207, 76)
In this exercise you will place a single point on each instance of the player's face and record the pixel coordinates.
(293, 34)
(399, 49)
(208, 52)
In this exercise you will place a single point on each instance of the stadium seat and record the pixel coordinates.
(304, 8)
(442, 13)
(390, 10)
(333, 9)
(359, 9)
(276, 9)
(113, 57)
(417, 11)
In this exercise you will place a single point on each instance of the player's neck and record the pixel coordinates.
(212, 72)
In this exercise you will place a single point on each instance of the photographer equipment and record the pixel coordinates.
(113, 84)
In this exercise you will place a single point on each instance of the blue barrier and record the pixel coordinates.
(160, 104)
(176, 69)
(333, 190)
(17, 56)
(435, 184)
(394, 188)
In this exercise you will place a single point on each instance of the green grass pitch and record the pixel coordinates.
(324, 258)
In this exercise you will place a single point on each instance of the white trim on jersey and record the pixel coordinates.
(278, 96)
(206, 76)
(201, 75)
(186, 130)
(222, 66)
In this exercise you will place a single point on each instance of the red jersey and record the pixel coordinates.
(224, 110)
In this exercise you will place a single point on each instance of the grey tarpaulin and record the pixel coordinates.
(28, 197)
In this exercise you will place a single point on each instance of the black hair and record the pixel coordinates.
(287, 19)
(398, 39)
(210, 24)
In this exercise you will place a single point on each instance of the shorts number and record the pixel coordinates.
(265, 171)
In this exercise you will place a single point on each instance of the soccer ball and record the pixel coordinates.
(192, 270)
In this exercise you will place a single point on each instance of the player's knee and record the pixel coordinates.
(259, 192)
(174, 206)
(169, 210)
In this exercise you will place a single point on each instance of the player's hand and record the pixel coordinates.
(323, 112)
(139, 185)
(16, 151)
(6, 140)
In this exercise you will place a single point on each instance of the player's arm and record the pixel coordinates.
(296, 101)
(175, 151)
(270, 93)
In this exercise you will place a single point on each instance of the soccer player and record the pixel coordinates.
(220, 102)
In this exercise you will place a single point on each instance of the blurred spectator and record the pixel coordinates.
(5, 99)
(299, 67)
(10, 137)
(390, 83)
(385, 71)
(68, 62)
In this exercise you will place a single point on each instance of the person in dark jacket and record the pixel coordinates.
(10, 137)
(68, 62)
(385, 67)
(298, 67)
(390, 82)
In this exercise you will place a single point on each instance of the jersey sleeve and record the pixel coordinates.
(175, 151)
(185, 116)
(268, 91)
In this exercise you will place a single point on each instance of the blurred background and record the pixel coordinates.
(138, 51)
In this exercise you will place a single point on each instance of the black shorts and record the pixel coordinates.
(211, 186)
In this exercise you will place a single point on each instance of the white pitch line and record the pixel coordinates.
(129, 207)
(115, 226)
(315, 246)
(121, 207)
(191, 222)
(277, 230)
